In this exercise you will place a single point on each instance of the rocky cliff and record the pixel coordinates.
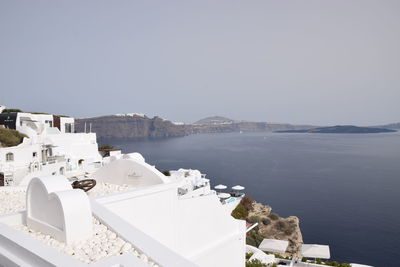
(273, 226)
(270, 225)
(130, 126)
(140, 126)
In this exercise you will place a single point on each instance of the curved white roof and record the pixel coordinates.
(131, 170)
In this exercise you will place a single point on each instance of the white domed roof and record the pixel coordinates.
(135, 156)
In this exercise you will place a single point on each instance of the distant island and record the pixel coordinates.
(341, 129)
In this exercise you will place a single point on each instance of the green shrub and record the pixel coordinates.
(11, 110)
(280, 225)
(240, 212)
(247, 202)
(253, 219)
(106, 147)
(10, 137)
(273, 216)
(254, 238)
(266, 221)
(166, 173)
(319, 261)
(255, 263)
(248, 255)
(304, 259)
(285, 227)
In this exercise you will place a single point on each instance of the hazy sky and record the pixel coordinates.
(315, 61)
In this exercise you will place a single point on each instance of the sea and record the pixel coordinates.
(345, 188)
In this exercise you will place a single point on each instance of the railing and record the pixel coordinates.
(231, 199)
(54, 159)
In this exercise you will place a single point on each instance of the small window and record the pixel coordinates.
(9, 157)
(34, 154)
(68, 127)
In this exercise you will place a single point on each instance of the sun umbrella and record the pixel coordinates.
(238, 187)
(220, 187)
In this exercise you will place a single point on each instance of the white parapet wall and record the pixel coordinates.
(198, 228)
(54, 208)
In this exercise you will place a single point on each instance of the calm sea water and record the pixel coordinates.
(344, 188)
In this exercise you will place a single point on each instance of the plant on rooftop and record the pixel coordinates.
(255, 263)
(338, 264)
(11, 110)
(332, 263)
(9, 137)
(106, 147)
(248, 255)
(254, 238)
(240, 212)
(166, 173)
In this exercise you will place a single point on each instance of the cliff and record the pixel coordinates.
(275, 227)
(270, 225)
(130, 126)
(137, 126)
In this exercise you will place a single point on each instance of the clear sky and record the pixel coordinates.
(316, 61)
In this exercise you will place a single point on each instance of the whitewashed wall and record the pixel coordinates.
(197, 228)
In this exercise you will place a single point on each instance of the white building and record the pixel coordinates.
(174, 220)
(51, 148)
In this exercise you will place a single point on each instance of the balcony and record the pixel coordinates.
(54, 159)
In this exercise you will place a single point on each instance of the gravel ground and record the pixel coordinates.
(104, 243)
